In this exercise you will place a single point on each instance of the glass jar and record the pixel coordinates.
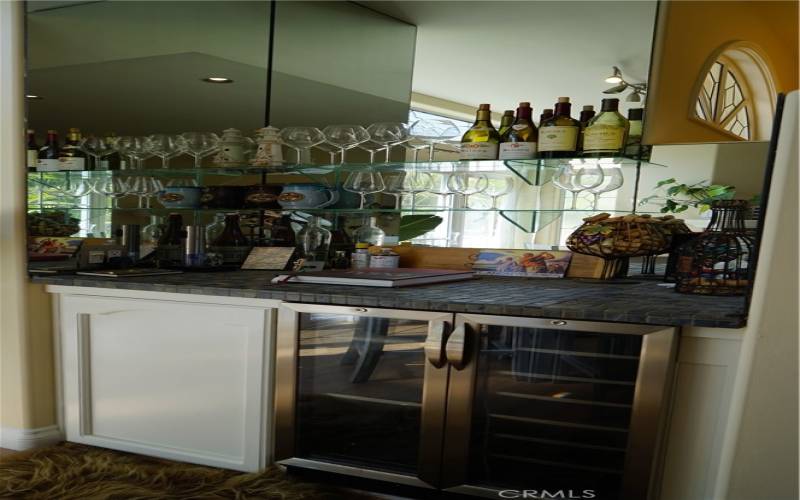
(717, 262)
(314, 241)
(370, 233)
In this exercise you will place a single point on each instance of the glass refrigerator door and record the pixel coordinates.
(556, 406)
(369, 391)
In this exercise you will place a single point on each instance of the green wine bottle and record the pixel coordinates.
(506, 121)
(607, 132)
(481, 140)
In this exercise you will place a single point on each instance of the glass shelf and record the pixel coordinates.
(533, 172)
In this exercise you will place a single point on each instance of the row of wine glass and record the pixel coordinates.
(336, 140)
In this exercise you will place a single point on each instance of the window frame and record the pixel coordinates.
(717, 120)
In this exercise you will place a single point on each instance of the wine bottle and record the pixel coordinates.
(174, 232)
(546, 115)
(48, 154)
(481, 140)
(634, 142)
(519, 141)
(282, 233)
(71, 157)
(587, 113)
(505, 121)
(607, 132)
(558, 136)
(232, 243)
(32, 154)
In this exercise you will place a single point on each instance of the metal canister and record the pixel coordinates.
(386, 259)
(195, 248)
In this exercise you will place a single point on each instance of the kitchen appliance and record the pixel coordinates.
(471, 403)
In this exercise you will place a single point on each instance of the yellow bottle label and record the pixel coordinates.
(603, 138)
(558, 138)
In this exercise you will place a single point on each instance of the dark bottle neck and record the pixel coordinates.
(563, 109)
(52, 138)
(524, 114)
(609, 105)
(586, 115)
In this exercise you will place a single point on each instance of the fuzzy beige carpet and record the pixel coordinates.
(70, 471)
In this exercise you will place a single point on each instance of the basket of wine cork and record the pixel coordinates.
(674, 230)
(617, 238)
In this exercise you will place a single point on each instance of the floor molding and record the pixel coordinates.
(26, 439)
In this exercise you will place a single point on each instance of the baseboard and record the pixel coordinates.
(25, 439)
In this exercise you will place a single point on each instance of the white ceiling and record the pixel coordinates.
(504, 52)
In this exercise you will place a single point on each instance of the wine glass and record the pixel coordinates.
(371, 147)
(612, 180)
(388, 134)
(78, 186)
(137, 149)
(345, 137)
(113, 187)
(145, 188)
(327, 148)
(200, 144)
(497, 187)
(431, 131)
(97, 148)
(576, 178)
(301, 140)
(364, 182)
(166, 146)
(467, 184)
(415, 182)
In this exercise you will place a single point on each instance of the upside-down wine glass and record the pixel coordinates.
(612, 180)
(497, 187)
(166, 147)
(96, 147)
(388, 134)
(431, 131)
(301, 140)
(345, 137)
(576, 178)
(371, 147)
(113, 187)
(364, 182)
(200, 144)
(467, 184)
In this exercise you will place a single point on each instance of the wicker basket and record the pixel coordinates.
(619, 237)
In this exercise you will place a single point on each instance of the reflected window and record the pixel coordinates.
(723, 101)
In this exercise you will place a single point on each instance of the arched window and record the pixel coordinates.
(736, 96)
(723, 102)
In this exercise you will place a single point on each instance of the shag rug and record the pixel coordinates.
(70, 471)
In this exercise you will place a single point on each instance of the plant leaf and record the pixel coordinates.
(665, 182)
(412, 226)
(703, 207)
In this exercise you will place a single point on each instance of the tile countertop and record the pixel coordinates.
(643, 301)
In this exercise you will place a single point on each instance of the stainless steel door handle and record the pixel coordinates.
(456, 348)
(434, 343)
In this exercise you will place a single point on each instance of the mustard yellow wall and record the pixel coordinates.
(688, 33)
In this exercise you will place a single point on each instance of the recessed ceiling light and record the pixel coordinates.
(33, 96)
(217, 79)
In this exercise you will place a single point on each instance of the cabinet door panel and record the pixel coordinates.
(178, 380)
(363, 394)
(556, 406)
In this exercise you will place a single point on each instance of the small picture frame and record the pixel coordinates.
(269, 258)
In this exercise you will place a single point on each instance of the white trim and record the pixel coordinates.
(67, 290)
(26, 439)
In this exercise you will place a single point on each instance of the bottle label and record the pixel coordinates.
(32, 158)
(517, 150)
(603, 138)
(47, 165)
(478, 151)
(71, 163)
(558, 138)
(519, 126)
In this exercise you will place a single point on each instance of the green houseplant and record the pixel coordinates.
(678, 198)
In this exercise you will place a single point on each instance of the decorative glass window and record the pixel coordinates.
(723, 101)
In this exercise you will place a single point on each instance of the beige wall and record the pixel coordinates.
(688, 33)
(26, 355)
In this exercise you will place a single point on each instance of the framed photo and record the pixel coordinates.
(523, 263)
(269, 258)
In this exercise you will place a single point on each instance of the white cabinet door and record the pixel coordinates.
(180, 380)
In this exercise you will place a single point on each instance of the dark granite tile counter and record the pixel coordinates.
(644, 301)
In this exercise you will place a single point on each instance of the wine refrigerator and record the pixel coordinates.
(471, 403)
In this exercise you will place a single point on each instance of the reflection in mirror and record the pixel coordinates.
(137, 68)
